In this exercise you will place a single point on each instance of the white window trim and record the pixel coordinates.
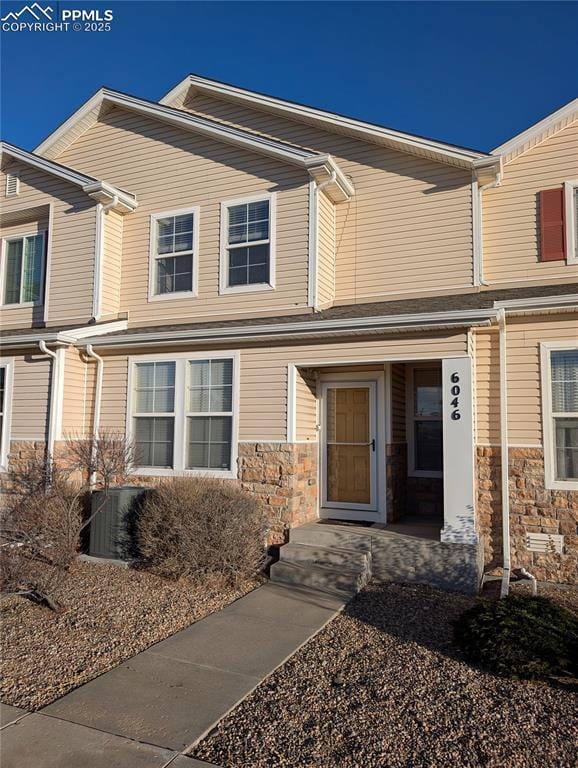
(3, 264)
(8, 365)
(224, 287)
(179, 436)
(153, 257)
(570, 188)
(411, 418)
(550, 481)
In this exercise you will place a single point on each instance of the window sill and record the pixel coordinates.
(226, 474)
(173, 296)
(253, 288)
(562, 485)
(26, 305)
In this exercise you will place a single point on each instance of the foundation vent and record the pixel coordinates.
(545, 542)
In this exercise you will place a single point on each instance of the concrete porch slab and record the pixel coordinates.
(8, 714)
(46, 742)
(155, 699)
(265, 643)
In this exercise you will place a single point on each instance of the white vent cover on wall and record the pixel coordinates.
(545, 542)
(12, 184)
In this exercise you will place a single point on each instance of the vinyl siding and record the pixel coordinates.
(326, 251)
(70, 274)
(408, 228)
(524, 384)
(30, 394)
(306, 405)
(263, 383)
(77, 397)
(170, 169)
(112, 264)
(511, 216)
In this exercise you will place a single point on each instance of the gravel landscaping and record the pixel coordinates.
(383, 686)
(110, 614)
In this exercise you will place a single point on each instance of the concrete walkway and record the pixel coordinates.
(149, 711)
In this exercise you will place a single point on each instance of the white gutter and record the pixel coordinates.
(64, 337)
(96, 415)
(54, 414)
(478, 226)
(504, 458)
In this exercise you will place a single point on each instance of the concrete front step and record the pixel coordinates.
(332, 580)
(342, 537)
(314, 554)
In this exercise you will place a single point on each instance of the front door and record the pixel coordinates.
(349, 447)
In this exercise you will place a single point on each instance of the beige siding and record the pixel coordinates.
(75, 416)
(70, 273)
(524, 384)
(510, 212)
(326, 251)
(408, 228)
(112, 261)
(306, 405)
(263, 395)
(170, 169)
(30, 393)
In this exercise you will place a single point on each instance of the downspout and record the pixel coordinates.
(52, 404)
(495, 183)
(316, 189)
(99, 255)
(96, 415)
(505, 484)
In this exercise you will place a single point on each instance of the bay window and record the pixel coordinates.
(183, 416)
(560, 404)
(247, 244)
(23, 269)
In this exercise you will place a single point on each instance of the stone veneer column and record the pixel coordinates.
(533, 509)
(284, 477)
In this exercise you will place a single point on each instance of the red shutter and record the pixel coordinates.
(552, 245)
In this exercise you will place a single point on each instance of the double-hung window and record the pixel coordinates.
(560, 403)
(183, 414)
(174, 238)
(23, 269)
(248, 244)
(425, 422)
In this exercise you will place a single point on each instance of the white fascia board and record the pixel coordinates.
(92, 187)
(359, 127)
(534, 131)
(537, 302)
(465, 317)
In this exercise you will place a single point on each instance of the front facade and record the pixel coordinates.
(353, 323)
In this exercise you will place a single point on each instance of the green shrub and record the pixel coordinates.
(520, 637)
(201, 527)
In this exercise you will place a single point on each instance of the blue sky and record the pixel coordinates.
(469, 73)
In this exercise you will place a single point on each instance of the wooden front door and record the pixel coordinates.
(349, 446)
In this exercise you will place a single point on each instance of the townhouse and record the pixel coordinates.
(354, 323)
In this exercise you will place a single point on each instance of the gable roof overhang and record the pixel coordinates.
(321, 166)
(538, 132)
(377, 134)
(101, 191)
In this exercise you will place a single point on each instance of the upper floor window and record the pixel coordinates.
(23, 269)
(247, 244)
(174, 238)
(560, 404)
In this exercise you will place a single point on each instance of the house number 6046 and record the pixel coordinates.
(455, 391)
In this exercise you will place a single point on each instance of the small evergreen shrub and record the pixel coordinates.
(520, 636)
(201, 528)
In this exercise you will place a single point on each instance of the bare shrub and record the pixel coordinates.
(202, 527)
(39, 531)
